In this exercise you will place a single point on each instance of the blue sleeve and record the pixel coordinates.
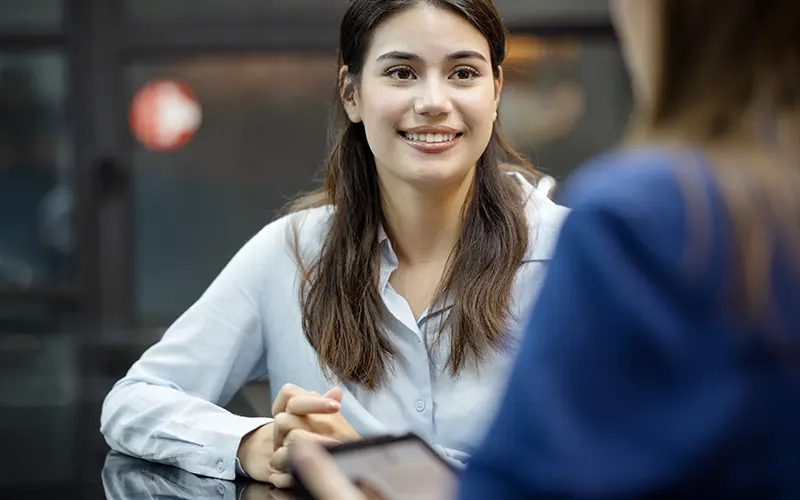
(614, 393)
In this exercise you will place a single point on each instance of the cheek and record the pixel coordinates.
(383, 111)
(478, 109)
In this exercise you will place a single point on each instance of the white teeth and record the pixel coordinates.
(432, 138)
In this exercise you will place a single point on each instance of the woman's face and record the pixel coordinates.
(427, 98)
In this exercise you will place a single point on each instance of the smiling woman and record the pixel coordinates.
(427, 70)
(399, 282)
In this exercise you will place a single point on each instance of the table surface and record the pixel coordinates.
(125, 478)
(52, 386)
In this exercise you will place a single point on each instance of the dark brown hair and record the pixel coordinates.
(343, 314)
(731, 74)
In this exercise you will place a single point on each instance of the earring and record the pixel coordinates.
(495, 116)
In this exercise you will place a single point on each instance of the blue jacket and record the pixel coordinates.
(636, 378)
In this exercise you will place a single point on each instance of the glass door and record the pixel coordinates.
(261, 141)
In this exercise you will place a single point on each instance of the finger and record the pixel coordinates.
(279, 459)
(306, 405)
(321, 476)
(302, 436)
(281, 480)
(284, 423)
(369, 491)
(336, 394)
(287, 392)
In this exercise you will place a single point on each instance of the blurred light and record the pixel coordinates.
(164, 115)
(529, 48)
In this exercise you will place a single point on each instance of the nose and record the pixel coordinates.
(434, 99)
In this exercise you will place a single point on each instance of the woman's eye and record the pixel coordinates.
(401, 73)
(464, 73)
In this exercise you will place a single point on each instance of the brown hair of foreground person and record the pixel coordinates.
(729, 79)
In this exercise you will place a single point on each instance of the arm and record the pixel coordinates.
(167, 408)
(617, 392)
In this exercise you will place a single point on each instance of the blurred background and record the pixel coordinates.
(142, 142)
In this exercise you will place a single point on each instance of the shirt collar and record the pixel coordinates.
(543, 216)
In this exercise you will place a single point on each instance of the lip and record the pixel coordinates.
(431, 129)
(432, 147)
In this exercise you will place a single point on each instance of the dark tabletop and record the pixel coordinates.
(125, 478)
(52, 386)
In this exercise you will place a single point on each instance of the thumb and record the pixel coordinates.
(335, 394)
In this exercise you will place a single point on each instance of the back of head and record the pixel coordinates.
(729, 73)
(726, 77)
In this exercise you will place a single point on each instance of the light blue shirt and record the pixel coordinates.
(248, 325)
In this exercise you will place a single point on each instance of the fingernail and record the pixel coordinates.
(333, 405)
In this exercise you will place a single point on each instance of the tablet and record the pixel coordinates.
(394, 467)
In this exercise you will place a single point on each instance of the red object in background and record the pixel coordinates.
(164, 115)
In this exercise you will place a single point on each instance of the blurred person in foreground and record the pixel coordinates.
(662, 359)
(402, 281)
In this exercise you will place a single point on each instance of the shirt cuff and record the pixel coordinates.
(221, 458)
(239, 470)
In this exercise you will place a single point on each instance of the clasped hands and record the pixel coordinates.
(300, 416)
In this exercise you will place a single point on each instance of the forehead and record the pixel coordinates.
(428, 31)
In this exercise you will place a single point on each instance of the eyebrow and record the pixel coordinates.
(453, 56)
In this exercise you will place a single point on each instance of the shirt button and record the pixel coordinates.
(221, 466)
(420, 406)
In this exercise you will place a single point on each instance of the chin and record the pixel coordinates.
(436, 176)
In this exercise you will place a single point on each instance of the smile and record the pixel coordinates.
(431, 142)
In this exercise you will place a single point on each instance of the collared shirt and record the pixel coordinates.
(248, 325)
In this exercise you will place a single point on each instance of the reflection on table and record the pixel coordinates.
(126, 478)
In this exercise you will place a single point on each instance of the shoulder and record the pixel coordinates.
(640, 183)
(307, 228)
(544, 218)
(654, 208)
(648, 191)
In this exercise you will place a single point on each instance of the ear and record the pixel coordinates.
(498, 89)
(349, 94)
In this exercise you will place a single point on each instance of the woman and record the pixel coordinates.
(399, 281)
(662, 359)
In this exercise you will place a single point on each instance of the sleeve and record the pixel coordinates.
(456, 458)
(167, 409)
(615, 393)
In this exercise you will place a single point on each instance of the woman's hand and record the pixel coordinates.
(297, 408)
(280, 459)
(302, 416)
(256, 451)
(258, 447)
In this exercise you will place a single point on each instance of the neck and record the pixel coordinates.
(424, 226)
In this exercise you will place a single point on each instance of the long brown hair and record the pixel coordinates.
(343, 314)
(731, 75)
